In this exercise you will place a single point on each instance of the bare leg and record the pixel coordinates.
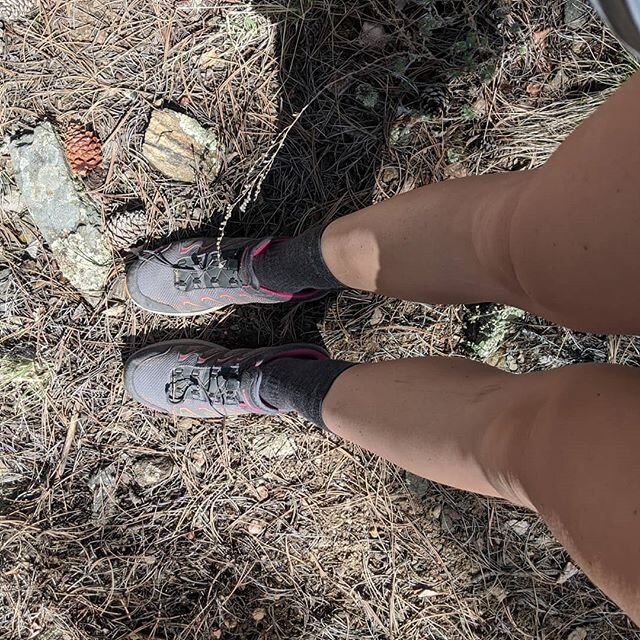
(562, 241)
(564, 443)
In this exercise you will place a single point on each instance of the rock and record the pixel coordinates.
(8, 478)
(495, 329)
(519, 527)
(418, 486)
(66, 217)
(498, 592)
(6, 288)
(180, 148)
(256, 527)
(576, 14)
(11, 201)
(367, 96)
(103, 487)
(259, 614)
(149, 472)
(567, 573)
(275, 446)
(390, 174)
(24, 370)
(376, 317)
(373, 35)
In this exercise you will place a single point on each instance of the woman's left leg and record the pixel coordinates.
(565, 443)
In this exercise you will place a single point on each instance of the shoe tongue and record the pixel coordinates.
(247, 272)
(252, 381)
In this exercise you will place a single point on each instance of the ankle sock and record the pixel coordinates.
(299, 385)
(295, 264)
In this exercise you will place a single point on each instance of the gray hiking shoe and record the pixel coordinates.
(198, 379)
(188, 278)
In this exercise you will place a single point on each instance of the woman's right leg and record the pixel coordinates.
(562, 241)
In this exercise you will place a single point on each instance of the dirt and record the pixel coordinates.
(119, 524)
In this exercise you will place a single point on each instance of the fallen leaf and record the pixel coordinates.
(539, 37)
(567, 573)
(580, 633)
(534, 88)
(256, 527)
(373, 532)
(428, 593)
(259, 614)
(263, 492)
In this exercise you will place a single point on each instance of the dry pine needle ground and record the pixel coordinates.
(115, 523)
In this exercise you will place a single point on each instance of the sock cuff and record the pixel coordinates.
(301, 385)
(312, 410)
(295, 264)
(313, 237)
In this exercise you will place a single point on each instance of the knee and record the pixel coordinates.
(580, 431)
(554, 422)
(351, 253)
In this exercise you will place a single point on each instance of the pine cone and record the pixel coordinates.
(83, 148)
(435, 100)
(12, 10)
(126, 229)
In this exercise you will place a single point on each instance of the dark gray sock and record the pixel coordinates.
(296, 384)
(295, 264)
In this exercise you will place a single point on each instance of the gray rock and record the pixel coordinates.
(420, 487)
(11, 201)
(65, 215)
(103, 486)
(149, 472)
(6, 288)
(576, 14)
(272, 446)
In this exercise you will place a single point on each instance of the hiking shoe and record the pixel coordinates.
(198, 379)
(189, 277)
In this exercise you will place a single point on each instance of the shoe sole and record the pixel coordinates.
(204, 312)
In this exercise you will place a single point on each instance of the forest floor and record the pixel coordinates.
(119, 524)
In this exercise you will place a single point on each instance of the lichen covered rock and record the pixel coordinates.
(67, 218)
(180, 147)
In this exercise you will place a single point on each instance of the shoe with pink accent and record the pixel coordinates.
(190, 277)
(203, 380)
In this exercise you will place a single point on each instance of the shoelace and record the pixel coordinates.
(207, 271)
(218, 386)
